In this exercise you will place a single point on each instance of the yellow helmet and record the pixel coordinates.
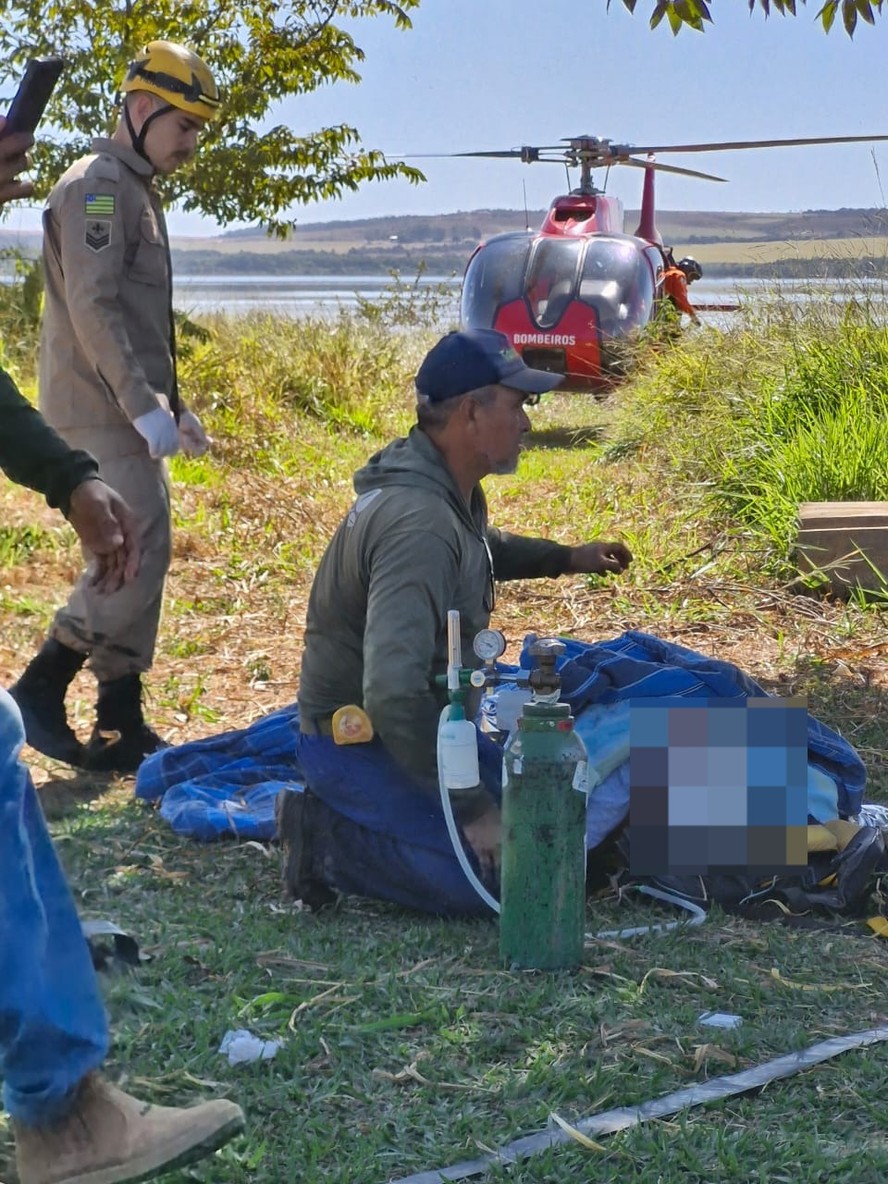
(175, 74)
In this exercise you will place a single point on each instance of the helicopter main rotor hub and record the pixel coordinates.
(592, 152)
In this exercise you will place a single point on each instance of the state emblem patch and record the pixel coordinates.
(98, 235)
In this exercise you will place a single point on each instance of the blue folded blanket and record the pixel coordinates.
(227, 784)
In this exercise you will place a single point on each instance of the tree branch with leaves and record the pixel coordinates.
(696, 14)
(260, 51)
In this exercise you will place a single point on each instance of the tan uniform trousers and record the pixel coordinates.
(119, 631)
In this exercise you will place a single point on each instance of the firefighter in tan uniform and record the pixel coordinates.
(108, 385)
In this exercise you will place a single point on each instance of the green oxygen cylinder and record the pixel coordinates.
(543, 860)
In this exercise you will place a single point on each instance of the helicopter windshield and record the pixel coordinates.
(617, 282)
(494, 277)
(551, 282)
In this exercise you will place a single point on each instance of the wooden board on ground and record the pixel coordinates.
(848, 542)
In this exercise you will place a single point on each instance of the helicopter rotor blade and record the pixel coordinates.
(530, 154)
(590, 152)
(506, 154)
(732, 145)
(670, 168)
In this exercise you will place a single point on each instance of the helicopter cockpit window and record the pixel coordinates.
(551, 282)
(617, 282)
(494, 277)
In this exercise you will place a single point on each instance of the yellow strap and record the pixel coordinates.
(843, 830)
(820, 838)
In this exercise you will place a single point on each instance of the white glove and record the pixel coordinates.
(193, 440)
(158, 427)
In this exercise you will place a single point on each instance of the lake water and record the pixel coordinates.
(298, 296)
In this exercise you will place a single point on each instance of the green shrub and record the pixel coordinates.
(21, 306)
(256, 375)
(790, 406)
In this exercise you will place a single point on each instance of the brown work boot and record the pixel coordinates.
(108, 1136)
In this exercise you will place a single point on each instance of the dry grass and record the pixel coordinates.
(406, 1045)
(246, 546)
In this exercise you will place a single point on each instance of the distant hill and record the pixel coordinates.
(819, 242)
(687, 226)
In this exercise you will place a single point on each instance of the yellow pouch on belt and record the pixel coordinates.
(351, 725)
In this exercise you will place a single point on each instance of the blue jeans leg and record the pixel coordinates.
(53, 1028)
(377, 834)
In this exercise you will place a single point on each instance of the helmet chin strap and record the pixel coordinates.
(138, 139)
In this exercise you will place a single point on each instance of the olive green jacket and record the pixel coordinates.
(32, 454)
(409, 550)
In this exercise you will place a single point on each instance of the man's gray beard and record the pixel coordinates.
(505, 467)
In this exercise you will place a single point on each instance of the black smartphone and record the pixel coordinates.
(32, 95)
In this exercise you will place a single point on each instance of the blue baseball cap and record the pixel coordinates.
(472, 358)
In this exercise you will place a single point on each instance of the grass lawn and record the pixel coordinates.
(406, 1046)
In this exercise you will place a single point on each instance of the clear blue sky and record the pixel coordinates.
(483, 74)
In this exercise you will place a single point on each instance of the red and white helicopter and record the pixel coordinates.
(572, 294)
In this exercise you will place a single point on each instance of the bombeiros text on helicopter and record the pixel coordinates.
(574, 294)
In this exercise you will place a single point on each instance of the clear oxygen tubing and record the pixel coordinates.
(697, 917)
(456, 841)
(454, 662)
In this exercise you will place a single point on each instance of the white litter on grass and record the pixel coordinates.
(242, 1047)
(720, 1019)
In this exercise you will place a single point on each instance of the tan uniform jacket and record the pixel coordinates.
(105, 347)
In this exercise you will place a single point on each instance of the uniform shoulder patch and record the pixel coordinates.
(98, 205)
(98, 234)
(104, 167)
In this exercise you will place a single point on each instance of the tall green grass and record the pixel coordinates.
(21, 304)
(780, 410)
(260, 374)
(787, 405)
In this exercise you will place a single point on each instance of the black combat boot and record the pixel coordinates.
(121, 739)
(294, 814)
(40, 694)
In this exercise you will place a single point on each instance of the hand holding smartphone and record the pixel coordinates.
(31, 98)
(17, 129)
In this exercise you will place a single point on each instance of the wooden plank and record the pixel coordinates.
(847, 541)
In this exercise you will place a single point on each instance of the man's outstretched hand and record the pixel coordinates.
(599, 558)
(108, 530)
(14, 160)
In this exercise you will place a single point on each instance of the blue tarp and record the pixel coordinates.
(227, 784)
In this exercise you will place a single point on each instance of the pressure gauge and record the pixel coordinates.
(489, 644)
